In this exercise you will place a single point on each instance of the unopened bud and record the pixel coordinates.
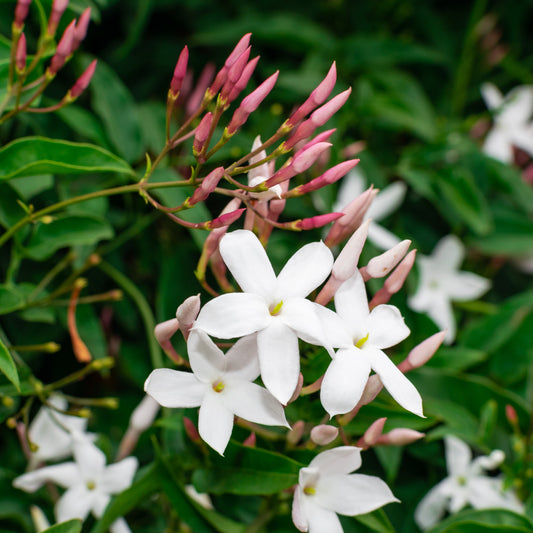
(8, 402)
(81, 28)
(39, 519)
(144, 414)
(83, 413)
(510, 413)
(165, 330)
(372, 434)
(187, 313)
(295, 434)
(315, 222)
(324, 434)
(21, 12)
(82, 82)
(321, 137)
(250, 440)
(191, 430)
(396, 280)
(207, 186)
(63, 50)
(298, 388)
(382, 264)
(324, 113)
(400, 437)
(242, 82)
(423, 352)
(179, 72)
(102, 364)
(234, 73)
(201, 134)
(225, 220)
(58, 8)
(20, 55)
(11, 422)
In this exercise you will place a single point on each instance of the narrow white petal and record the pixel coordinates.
(498, 146)
(215, 422)
(448, 254)
(247, 260)
(382, 238)
(233, 315)
(305, 270)
(64, 475)
(118, 476)
(386, 326)
(344, 381)
(90, 459)
(518, 106)
(279, 359)
(441, 313)
(242, 359)
(119, 526)
(354, 494)
(100, 500)
(75, 503)
(173, 388)
(351, 302)
(458, 456)
(432, 507)
(340, 460)
(387, 201)
(399, 387)
(491, 95)
(260, 173)
(336, 331)
(298, 515)
(488, 493)
(464, 286)
(207, 360)
(523, 138)
(320, 520)
(254, 403)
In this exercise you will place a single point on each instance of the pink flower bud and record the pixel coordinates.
(180, 71)
(81, 28)
(240, 47)
(251, 102)
(303, 131)
(20, 56)
(298, 389)
(163, 333)
(382, 264)
(225, 220)
(242, 82)
(58, 8)
(321, 137)
(202, 133)
(144, 414)
(324, 434)
(191, 430)
(83, 81)
(400, 437)
(396, 280)
(372, 434)
(422, 353)
(21, 12)
(186, 314)
(63, 50)
(317, 221)
(296, 433)
(195, 99)
(250, 440)
(324, 113)
(234, 73)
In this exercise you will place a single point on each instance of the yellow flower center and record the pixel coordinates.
(310, 491)
(274, 310)
(91, 485)
(218, 386)
(361, 342)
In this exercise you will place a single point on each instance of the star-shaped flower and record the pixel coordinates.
(361, 339)
(89, 483)
(222, 385)
(466, 484)
(385, 203)
(327, 487)
(274, 307)
(512, 121)
(441, 282)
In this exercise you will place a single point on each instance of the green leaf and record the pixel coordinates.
(10, 299)
(67, 231)
(10, 209)
(474, 521)
(376, 521)
(457, 358)
(7, 366)
(71, 526)
(31, 156)
(84, 123)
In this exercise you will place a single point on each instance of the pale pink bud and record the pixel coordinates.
(191, 430)
(422, 353)
(186, 314)
(64, 49)
(81, 28)
(163, 333)
(372, 389)
(144, 414)
(317, 221)
(234, 73)
(251, 102)
(180, 70)
(382, 264)
(400, 437)
(321, 137)
(211, 243)
(372, 434)
(298, 389)
(242, 82)
(324, 434)
(195, 99)
(202, 133)
(396, 280)
(225, 220)
(324, 113)
(250, 440)
(240, 47)
(510, 413)
(83, 81)
(303, 131)
(21, 12)
(58, 8)
(296, 433)
(20, 56)
(317, 96)
(207, 186)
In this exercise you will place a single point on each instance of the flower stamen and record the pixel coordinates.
(310, 491)
(360, 343)
(218, 386)
(276, 309)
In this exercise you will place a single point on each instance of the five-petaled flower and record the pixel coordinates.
(222, 385)
(466, 484)
(327, 487)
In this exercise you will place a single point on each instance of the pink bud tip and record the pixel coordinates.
(21, 12)
(250, 440)
(165, 330)
(208, 185)
(179, 71)
(382, 264)
(346, 263)
(226, 219)
(396, 280)
(187, 312)
(324, 113)
(64, 48)
(321, 137)
(423, 352)
(191, 430)
(317, 221)
(240, 47)
(330, 176)
(511, 415)
(373, 433)
(144, 414)
(83, 81)
(243, 80)
(305, 158)
(202, 133)
(58, 8)
(20, 57)
(401, 437)
(324, 434)
(81, 28)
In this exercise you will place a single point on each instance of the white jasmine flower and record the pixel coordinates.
(327, 487)
(384, 204)
(261, 173)
(221, 385)
(89, 483)
(441, 282)
(512, 125)
(274, 307)
(361, 338)
(466, 484)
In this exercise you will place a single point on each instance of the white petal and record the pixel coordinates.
(464, 286)
(337, 332)
(173, 388)
(517, 107)
(215, 422)
(432, 507)
(491, 95)
(448, 254)
(354, 494)
(387, 201)
(320, 520)
(386, 326)
(279, 359)
(233, 315)
(441, 313)
(90, 459)
(119, 526)
(382, 238)
(207, 360)
(498, 146)
(487, 493)
(523, 138)
(344, 381)
(254, 403)
(298, 515)
(261, 173)
(351, 302)
(458, 456)
(64, 475)
(75, 503)
(247, 260)
(118, 476)
(399, 387)
(305, 270)
(242, 359)
(100, 500)
(340, 460)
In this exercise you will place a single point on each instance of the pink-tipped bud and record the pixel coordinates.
(317, 96)
(324, 434)
(186, 314)
(197, 95)
(382, 264)
(423, 352)
(58, 8)
(201, 134)
(372, 434)
(191, 430)
(296, 433)
(321, 137)
(234, 73)
(251, 102)
(317, 221)
(163, 333)
(81, 28)
(240, 47)
(83, 81)
(324, 113)
(396, 280)
(144, 414)
(207, 186)
(510, 413)
(20, 56)
(21, 12)
(63, 50)
(242, 82)
(400, 437)
(226, 219)
(180, 71)
(250, 441)
(298, 389)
